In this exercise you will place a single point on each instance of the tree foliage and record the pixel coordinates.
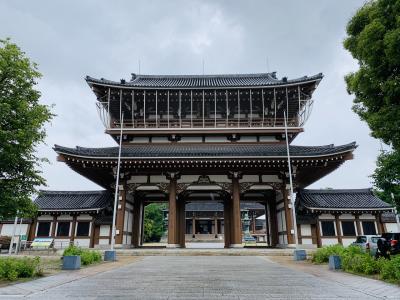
(22, 120)
(153, 222)
(374, 40)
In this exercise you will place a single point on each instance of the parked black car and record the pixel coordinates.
(393, 238)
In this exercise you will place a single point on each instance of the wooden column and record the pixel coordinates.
(193, 226)
(379, 224)
(227, 222)
(141, 240)
(73, 229)
(136, 230)
(338, 231)
(92, 233)
(173, 239)
(273, 222)
(267, 219)
(181, 222)
(318, 233)
(236, 227)
(53, 227)
(32, 230)
(288, 215)
(215, 225)
(358, 224)
(119, 223)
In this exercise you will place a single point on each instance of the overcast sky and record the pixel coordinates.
(72, 39)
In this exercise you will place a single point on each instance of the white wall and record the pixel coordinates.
(104, 230)
(391, 227)
(329, 241)
(82, 242)
(305, 229)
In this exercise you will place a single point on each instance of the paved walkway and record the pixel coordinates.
(205, 277)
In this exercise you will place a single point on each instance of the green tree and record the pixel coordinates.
(22, 120)
(153, 222)
(374, 40)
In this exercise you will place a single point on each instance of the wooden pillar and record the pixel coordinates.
(358, 224)
(181, 222)
(173, 239)
(318, 232)
(267, 219)
(288, 215)
(92, 233)
(236, 228)
(53, 227)
(338, 231)
(73, 229)
(141, 240)
(227, 222)
(273, 222)
(193, 226)
(216, 225)
(379, 224)
(119, 223)
(32, 230)
(136, 230)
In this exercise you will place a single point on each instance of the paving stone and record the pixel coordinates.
(202, 277)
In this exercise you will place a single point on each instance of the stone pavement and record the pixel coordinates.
(204, 277)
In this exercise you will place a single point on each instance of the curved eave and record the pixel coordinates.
(273, 83)
(310, 168)
(79, 153)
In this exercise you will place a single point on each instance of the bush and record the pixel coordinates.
(390, 269)
(355, 260)
(14, 268)
(322, 254)
(87, 256)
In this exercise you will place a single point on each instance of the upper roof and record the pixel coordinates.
(73, 200)
(204, 81)
(206, 150)
(343, 199)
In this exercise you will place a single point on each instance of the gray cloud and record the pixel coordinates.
(71, 39)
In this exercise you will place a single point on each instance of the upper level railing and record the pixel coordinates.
(229, 109)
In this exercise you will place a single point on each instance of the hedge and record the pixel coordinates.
(12, 268)
(87, 256)
(355, 260)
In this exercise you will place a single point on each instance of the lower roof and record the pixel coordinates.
(341, 200)
(206, 150)
(76, 201)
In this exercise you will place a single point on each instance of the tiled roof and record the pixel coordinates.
(203, 81)
(206, 150)
(76, 200)
(357, 199)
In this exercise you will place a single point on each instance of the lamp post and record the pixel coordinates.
(111, 255)
(291, 184)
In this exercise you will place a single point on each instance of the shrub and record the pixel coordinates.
(87, 256)
(14, 268)
(362, 263)
(322, 254)
(390, 269)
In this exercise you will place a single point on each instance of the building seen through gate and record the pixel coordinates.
(188, 140)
